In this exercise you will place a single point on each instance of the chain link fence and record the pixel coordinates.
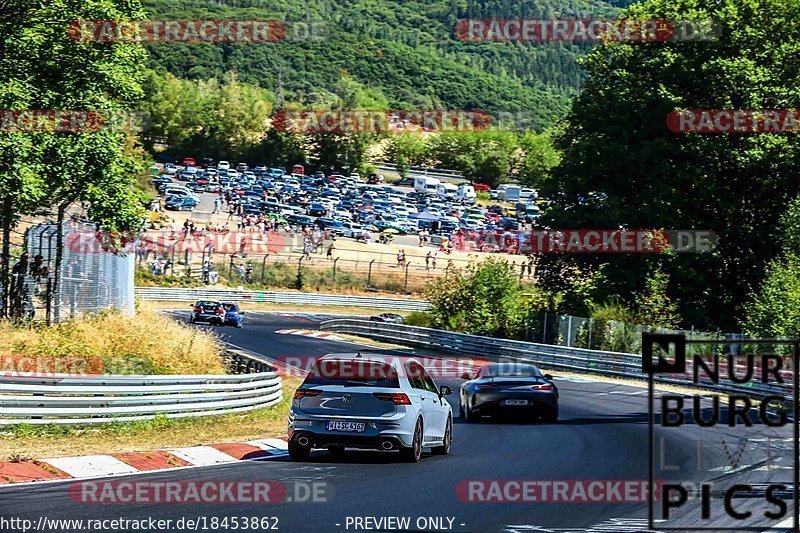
(607, 335)
(281, 260)
(92, 276)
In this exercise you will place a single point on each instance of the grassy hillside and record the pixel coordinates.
(405, 48)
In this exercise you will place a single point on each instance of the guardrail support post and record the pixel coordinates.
(299, 281)
(405, 283)
(49, 300)
(369, 274)
(334, 269)
(569, 331)
(264, 268)
(544, 328)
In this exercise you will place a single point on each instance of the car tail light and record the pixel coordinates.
(198, 309)
(542, 387)
(220, 311)
(398, 398)
(306, 393)
(486, 386)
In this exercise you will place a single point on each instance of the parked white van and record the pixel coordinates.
(466, 194)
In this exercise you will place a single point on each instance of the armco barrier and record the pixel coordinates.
(621, 365)
(296, 298)
(65, 400)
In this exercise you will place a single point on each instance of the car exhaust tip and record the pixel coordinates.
(303, 441)
(387, 445)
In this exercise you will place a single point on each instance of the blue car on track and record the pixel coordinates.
(233, 316)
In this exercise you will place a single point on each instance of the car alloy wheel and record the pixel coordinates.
(444, 449)
(413, 453)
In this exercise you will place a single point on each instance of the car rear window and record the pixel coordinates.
(509, 371)
(353, 373)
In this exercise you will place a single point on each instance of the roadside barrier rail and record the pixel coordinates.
(615, 364)
(296, 298)
(65, 399)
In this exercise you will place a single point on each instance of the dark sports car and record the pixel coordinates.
(499, 388)
(207, 311)
(390, 318)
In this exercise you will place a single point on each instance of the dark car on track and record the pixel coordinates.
(499, 388)
(207, 311)
(389, 318)
(233, 316)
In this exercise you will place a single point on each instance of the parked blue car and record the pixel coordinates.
(233, 316)
(180, 204)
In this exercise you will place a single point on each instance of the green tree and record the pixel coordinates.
(538, 158)
(653, 305)
(616, 142)
(483, 300)
(774, 309)
(486, 156)
(345, 150)
(406, 149)
(42, 66)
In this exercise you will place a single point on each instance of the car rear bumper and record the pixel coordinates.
(207, 318)
(382, 442)
(373, 437)
(493, 403)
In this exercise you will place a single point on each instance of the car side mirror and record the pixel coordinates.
(444, 390)
(548, 377)
(465, 375)
(241, 313)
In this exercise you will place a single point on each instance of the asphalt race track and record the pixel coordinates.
(602, 434)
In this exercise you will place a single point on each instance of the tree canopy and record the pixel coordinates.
(616, 142)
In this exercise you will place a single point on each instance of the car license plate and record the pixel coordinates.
(337, 425)
(515, 402)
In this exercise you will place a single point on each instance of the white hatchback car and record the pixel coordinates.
(370, 401)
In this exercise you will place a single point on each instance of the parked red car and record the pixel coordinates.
(481, 187)
(189, 162)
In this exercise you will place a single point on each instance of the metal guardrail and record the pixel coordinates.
(616, 364)
(297, 298)
(67, 400)
(441, 173)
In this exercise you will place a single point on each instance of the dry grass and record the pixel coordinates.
(112, 342)
(51, 441)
